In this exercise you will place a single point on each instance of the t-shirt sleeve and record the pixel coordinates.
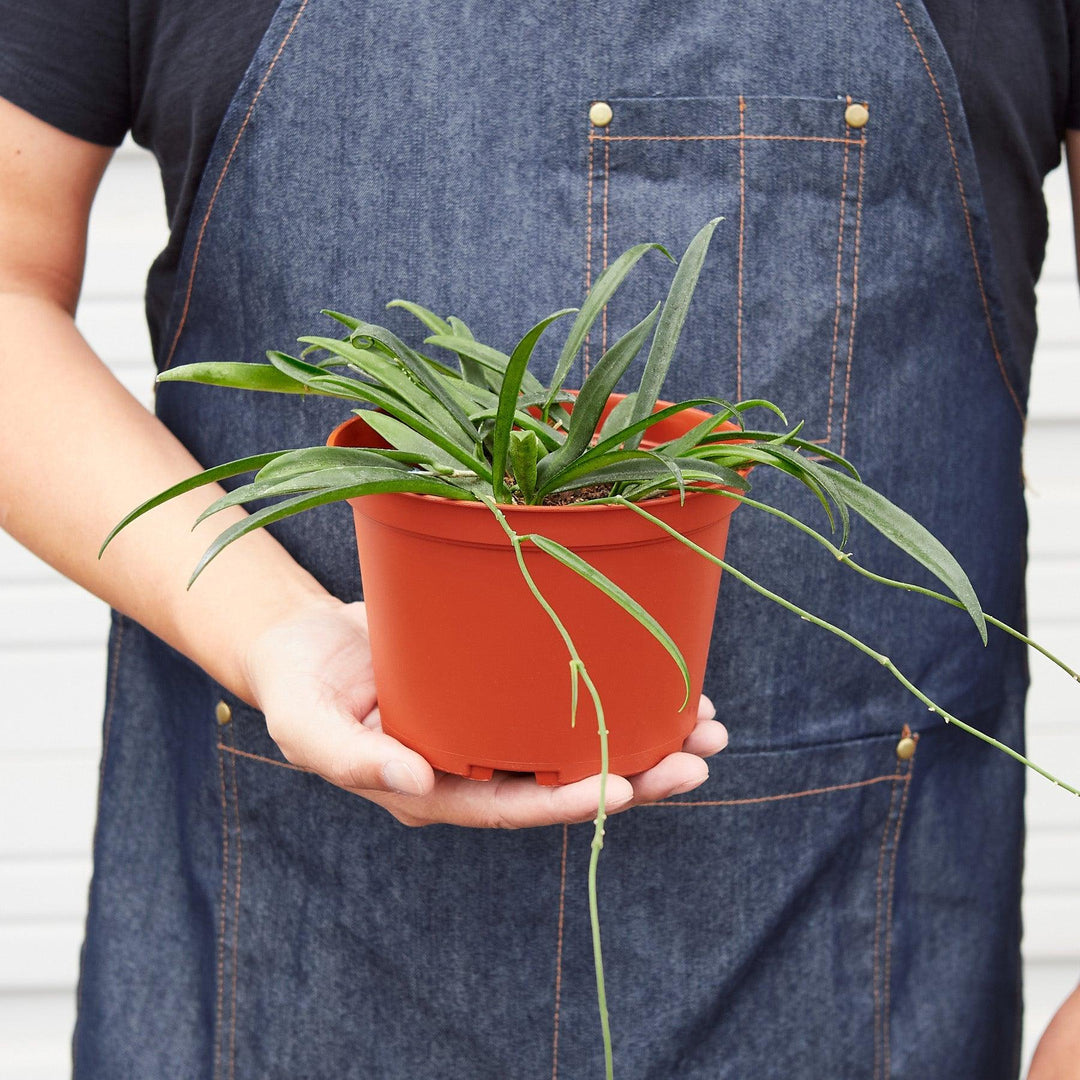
(66, 61)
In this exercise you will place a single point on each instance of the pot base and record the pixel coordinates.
(548, 774)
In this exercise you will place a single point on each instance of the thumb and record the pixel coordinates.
(349, 754)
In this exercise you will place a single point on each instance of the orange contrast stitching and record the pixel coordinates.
(219, 1041)
(854, 293)
(725, 138)
(221, 180)
(839, 265)
(742, 235)
(886, 1038)
(236, 920)
(877, 933)
(967, 213)
(607, 177)
(588, 249)
(776, 798)
(558, 955)
(259, 757)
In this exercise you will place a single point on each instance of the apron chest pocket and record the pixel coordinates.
(776, 307)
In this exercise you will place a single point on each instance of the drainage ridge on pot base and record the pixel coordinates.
(469, 670)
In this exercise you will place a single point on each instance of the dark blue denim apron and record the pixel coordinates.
(824, 906)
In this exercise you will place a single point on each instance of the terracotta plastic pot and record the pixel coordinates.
(471, 673)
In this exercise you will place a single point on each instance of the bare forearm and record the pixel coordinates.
(78, 453)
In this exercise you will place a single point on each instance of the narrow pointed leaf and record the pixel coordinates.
(671, 322)
(210, 476)
(403, 437)
(608, 587)
(311, 458)
(241, 377)
(324, 479)
(523, 453)
(431, 380)
(907, 534)
(390, 376)
(428, 317)
(599, 295)
(618, 418)
(508, 398)
(594, 395)
(270, 514)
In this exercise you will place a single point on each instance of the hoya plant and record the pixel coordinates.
(463, 420)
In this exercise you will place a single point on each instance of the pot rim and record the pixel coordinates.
(692, 490)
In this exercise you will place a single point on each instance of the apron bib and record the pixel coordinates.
(822, 906)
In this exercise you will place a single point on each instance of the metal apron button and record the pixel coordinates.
(223, 712)
(905, 748)
(600, 113)
(856, 115)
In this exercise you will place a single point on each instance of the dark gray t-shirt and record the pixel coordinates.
(167, 69)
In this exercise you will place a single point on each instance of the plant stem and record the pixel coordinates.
(881, 658)
(905, 586)
(578, 670)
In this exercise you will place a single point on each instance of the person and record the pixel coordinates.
(822, 906)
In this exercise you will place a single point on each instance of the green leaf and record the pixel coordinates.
(403, 437)
(210, 476)
(601, 292)
(432, 321)
(909, 536)
(317, 378)
(678, 447)
(608, 587)
(349, 321)
(390, 375)
(241, 377)
(309, 459)
(618, 418)
(820, 481)
(551, 437)
(328, 478)
(269, 514)
(422, 371)
(593, 397)
(490, 359)
(470, 369)
(524, 451)
(508, 398)
(671, 322)
(645, 465)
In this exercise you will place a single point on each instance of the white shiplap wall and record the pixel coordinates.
(50, 727)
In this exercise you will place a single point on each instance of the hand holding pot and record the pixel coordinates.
(311, 676)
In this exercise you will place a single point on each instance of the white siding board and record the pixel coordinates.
(50, 613)
(42, 714)
(43, 890)
(48, 805)
(40, 957)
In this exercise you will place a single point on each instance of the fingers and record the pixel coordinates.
(348, 753)
(676, 774)
(708, 738)
(507, 802)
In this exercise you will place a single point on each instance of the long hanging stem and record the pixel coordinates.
(578, 670)
(883, 660)
(904, 586)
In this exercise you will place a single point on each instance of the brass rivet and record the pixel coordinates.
(856, 115)
(905, 748)
(223, 712)
(600, 113)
